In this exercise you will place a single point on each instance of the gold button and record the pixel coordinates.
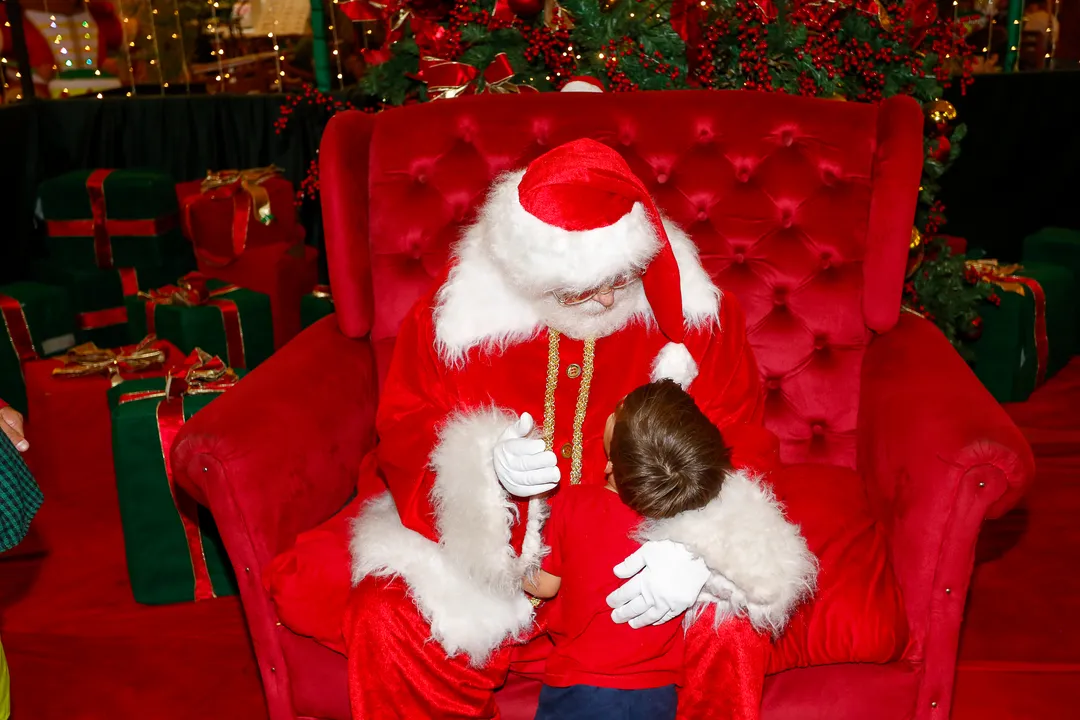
(573, 371)
(566, 451)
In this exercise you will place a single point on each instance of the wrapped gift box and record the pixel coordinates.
(174, 552)
(1030, 336)
(281, 272)
(316, 305)
(231, 322)
(70, 411)
(1058, 246)
(231, 212)
(112, 218)
(37, 321)
(97, 297)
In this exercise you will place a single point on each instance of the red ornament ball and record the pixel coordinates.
(525, 8)
(940, 148)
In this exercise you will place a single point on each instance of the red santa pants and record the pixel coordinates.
(397, 671)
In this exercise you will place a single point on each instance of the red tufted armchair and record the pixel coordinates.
(801, 208)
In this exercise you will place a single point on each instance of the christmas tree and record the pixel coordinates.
(862, 51)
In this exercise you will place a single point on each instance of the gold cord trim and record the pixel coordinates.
(582, 401)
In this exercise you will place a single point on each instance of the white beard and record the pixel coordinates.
(590, 319)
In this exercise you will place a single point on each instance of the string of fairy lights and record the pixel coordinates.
(335, 52)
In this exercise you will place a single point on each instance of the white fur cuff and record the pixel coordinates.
(761, 565)
(468, 585)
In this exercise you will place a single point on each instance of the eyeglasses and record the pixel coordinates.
(617, 283)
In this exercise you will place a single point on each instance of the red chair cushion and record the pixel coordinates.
(857, 614)
(309, 583)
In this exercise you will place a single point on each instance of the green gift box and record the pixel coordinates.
(38, 323)
(1058, 246)
(1031, 334)
(316, 305)
(174, 551)
(228, 321)
(97, 297)
(112, 218)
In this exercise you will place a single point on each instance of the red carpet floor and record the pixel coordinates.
(80, 648)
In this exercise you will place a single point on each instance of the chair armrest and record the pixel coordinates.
(281, 451)
(939, 455)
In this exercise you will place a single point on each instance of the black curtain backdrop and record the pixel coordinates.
(1019, 166)
(1019, 169)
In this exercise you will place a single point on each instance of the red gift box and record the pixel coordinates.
(232, 212)
(72, 429)
(285, 273)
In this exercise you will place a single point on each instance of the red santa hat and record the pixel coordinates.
(583, 83)
(584, 186)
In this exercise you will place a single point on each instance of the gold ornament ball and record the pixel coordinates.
(916, 254)
(940, 113)
(916, 239)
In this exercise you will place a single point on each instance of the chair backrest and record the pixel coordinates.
(802, 208)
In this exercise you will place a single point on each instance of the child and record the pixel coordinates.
(664, 457)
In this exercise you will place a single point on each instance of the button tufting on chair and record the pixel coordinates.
(817, 428)
(739, 258)
(772, 384)
(826, 261)
(702, 215)
(820, 342)
(780, 296)
(787, 138)
(662, 178)
(787, 218)
(743, 174)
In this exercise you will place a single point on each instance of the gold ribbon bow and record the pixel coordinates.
(89, 359)
(1000, 275)
(200, 373)
(248, 181)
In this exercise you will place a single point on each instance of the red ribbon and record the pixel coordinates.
(1042, 340)
(97, 319)
(18, 330)
(101, 228)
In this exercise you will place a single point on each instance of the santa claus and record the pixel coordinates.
(568, 292)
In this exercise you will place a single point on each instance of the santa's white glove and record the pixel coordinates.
(523, 465)
(665, 579)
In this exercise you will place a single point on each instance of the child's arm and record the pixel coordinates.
(542, 585)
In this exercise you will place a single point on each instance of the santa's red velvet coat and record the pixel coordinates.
(470, 357)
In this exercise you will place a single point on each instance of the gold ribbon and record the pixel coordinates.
(199, 374)
(249, 181)
(996, 274)
(89, 359)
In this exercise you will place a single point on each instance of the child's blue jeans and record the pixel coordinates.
(585, 702)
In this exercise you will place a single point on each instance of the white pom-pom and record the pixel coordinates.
(583, 84)
(676, 363)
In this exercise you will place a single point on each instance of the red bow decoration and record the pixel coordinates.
(449, 79)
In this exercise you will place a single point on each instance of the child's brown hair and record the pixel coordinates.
(667, 457)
